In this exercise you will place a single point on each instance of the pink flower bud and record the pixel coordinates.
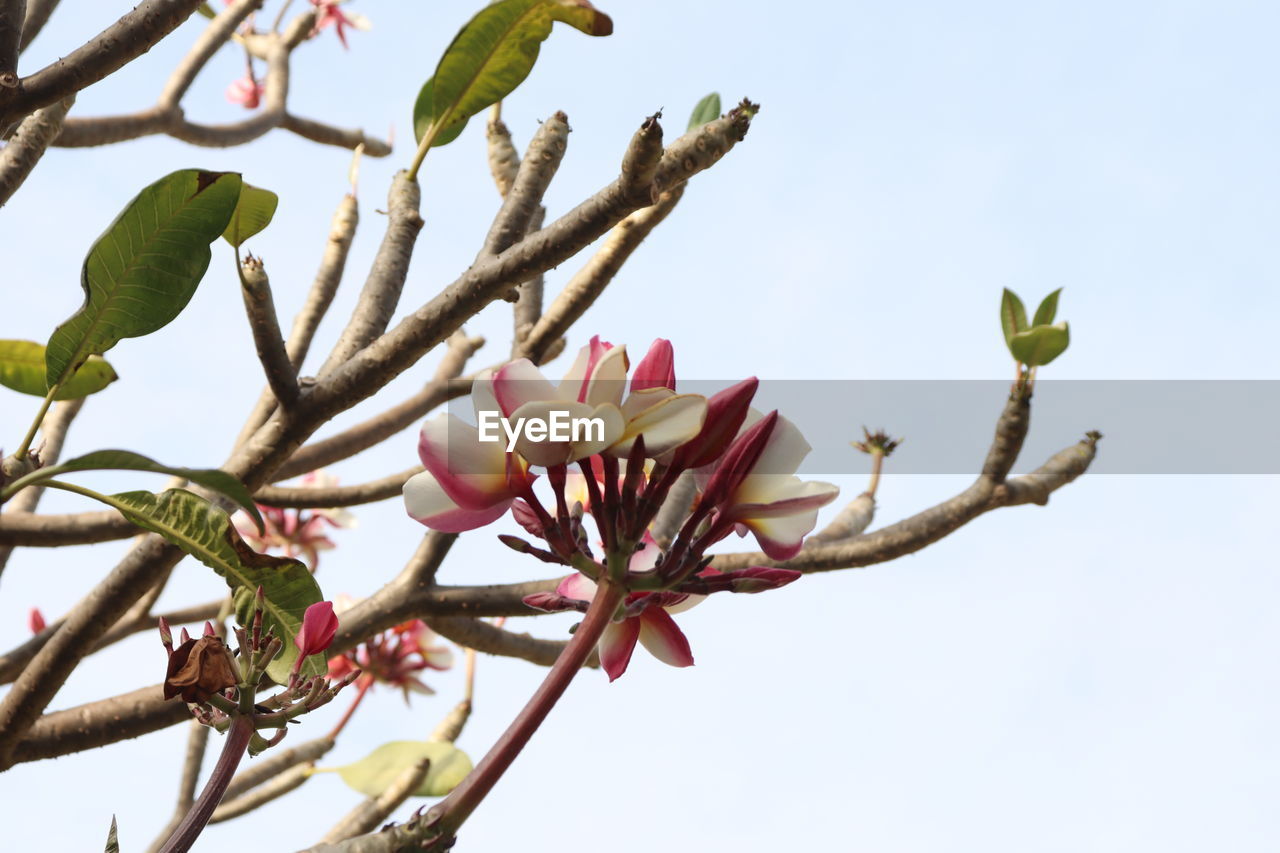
(319, 624)
(35, 620)
(657, 368)
(725, 413)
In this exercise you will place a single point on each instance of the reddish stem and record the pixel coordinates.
(351, 709)
(454, 810)
(238, 737)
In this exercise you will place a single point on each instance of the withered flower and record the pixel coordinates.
(198, 669)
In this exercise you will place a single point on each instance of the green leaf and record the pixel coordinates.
(205, 532)
(1039, 346)
(253, 213)
(144, 269)
(22, 369)
(708, 109)
(374, 773)
(1048, 309)
(1013, 317)
(113, 842)
(124, 460)
(490, 57)
(207, 10)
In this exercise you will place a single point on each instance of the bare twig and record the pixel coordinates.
(207, 44)
(990, 491)
(260, 308)
(288, 780)
(319, 298)
(590, 281)
(504, 161)
(28, 144)
(534, 175)
(53, 433)
(312, 498)
(332, 263)
(381, 292)
(38, 12)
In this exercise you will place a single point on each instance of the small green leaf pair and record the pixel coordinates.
(1040, 342)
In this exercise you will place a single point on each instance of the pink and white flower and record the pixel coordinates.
(754, 485)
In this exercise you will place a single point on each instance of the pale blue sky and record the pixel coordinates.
(1098, 675)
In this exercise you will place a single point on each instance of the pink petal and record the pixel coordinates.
(616, 645)
(518, 383)
(578, 587)
(663, 638)
(427, 502)
(472, 472)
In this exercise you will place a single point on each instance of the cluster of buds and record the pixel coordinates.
(220, 685)
(741, 464)
(296, 532)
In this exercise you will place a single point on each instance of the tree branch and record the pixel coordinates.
(443, 387)
(53, 432)
(28, 144)
(313, 498)
(590, 281)
(112, 49)
(382, 289)
(38, 12)
(260, 308)
(367, 815)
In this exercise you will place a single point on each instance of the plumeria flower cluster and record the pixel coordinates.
(330, 14)
(296, 532)
(395, 657)
(647, 436)
(220, 685)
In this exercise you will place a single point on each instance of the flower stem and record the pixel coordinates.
(193, 824)
(454, 810)
(351, 709)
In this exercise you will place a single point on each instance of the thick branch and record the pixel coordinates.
(443, 387)
(492, 640)
(381, 292)
(113, 48)
(260, 308)
(534, 175)
(54, 531)
(590, 281)
(311, 498)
